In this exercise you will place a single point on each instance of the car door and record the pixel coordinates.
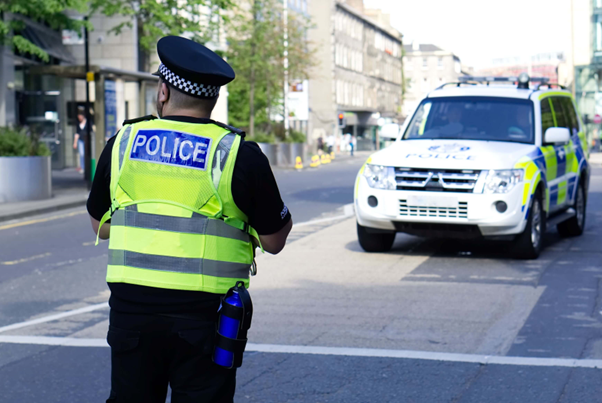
(577, 145)
(556, 155)
(565, 155)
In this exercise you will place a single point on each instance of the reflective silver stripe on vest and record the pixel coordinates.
(197, 224)
(123, 144)
(206, 267)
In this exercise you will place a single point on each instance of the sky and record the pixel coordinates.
(480, 30)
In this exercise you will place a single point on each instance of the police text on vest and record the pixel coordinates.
(169, 147)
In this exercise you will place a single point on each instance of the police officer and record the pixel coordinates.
(185, 201)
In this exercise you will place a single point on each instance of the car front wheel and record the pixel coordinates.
(527, 245)
(375, 241)
(574, 226)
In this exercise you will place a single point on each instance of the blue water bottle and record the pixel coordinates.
(227, 327)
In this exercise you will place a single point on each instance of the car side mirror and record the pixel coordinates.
(389, 131)
(557, 135)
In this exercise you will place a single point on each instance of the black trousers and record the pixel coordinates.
(148, 352)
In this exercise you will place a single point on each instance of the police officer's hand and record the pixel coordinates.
(274, 243)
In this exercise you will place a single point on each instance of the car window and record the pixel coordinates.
(571, 115)
(559, 112)
(547, 119)
(473, 118)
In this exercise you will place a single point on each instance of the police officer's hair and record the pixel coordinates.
(180, 100)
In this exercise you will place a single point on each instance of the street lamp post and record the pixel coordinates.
(285, 112)
(88, 139)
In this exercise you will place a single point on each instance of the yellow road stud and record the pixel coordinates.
(298, 163)
(325, 159)
(332, 155)
(315, 161)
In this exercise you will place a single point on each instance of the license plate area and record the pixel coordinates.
(432, 201)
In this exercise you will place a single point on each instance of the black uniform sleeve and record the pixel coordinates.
(255, 191)
(99, 201)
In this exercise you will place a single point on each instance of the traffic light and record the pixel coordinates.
(342, 120)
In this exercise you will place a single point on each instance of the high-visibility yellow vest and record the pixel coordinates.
(174, 223)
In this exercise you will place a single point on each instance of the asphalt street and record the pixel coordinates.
(430, 321)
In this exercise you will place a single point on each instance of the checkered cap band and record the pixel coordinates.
(195, 89)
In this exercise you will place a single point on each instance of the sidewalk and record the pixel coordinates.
(68, 189)
(595, 158)
(342, 156)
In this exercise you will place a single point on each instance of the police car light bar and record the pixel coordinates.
(494, 79)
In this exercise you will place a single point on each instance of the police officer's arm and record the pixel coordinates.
(99, 201)
(105, 231)
(256, 193)
(274, 243)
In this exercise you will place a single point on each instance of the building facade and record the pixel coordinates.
(359, 73)
(426, 67)
(545, 65)
(45, 96)
(586, 58)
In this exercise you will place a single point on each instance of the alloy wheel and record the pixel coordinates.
(536, 224)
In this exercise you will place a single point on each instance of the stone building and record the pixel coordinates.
(358, 73)
(46, 95)
(426, 67)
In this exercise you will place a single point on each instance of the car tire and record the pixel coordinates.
(374, 242)
(528, 244)
(574, 226)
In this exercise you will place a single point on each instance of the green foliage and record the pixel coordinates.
(51, 12)
(262, 137)
(295, 136)
(17, 143)
(199, 20)
(256, 52)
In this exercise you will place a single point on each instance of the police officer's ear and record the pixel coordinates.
(163, 94)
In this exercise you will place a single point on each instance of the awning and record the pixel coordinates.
(47, 39)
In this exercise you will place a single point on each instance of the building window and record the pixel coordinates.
(440, 63)
(425, 63)
(598, 32)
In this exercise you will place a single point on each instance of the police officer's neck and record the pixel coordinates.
(191, 113)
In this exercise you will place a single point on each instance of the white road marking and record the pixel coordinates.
(54, 341)
(343, 351)
(57, 316)
(348, 212)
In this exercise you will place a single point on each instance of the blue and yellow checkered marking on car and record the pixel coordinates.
(548, 163)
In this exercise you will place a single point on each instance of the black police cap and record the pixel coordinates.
(191, 67)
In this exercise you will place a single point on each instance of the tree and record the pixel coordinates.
(51, 12)
(200, 20)
(256, 52)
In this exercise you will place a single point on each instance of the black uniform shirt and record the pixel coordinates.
(255, 193)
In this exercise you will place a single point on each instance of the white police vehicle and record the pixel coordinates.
(480, 160)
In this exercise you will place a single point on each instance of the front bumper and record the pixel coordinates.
(396, 208)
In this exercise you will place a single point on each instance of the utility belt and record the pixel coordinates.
(235, 315)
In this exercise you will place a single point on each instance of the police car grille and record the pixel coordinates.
(432, 180)
(405, 210)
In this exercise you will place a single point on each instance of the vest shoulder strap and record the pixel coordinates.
(140, 119)
(233, 129)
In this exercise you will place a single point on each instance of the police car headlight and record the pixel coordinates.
(503, 181)
(380, 177)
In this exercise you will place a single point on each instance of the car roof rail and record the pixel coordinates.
(549, 85)
(522, 80)
(456, 83)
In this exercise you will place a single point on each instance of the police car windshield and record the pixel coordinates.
(473, 118)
